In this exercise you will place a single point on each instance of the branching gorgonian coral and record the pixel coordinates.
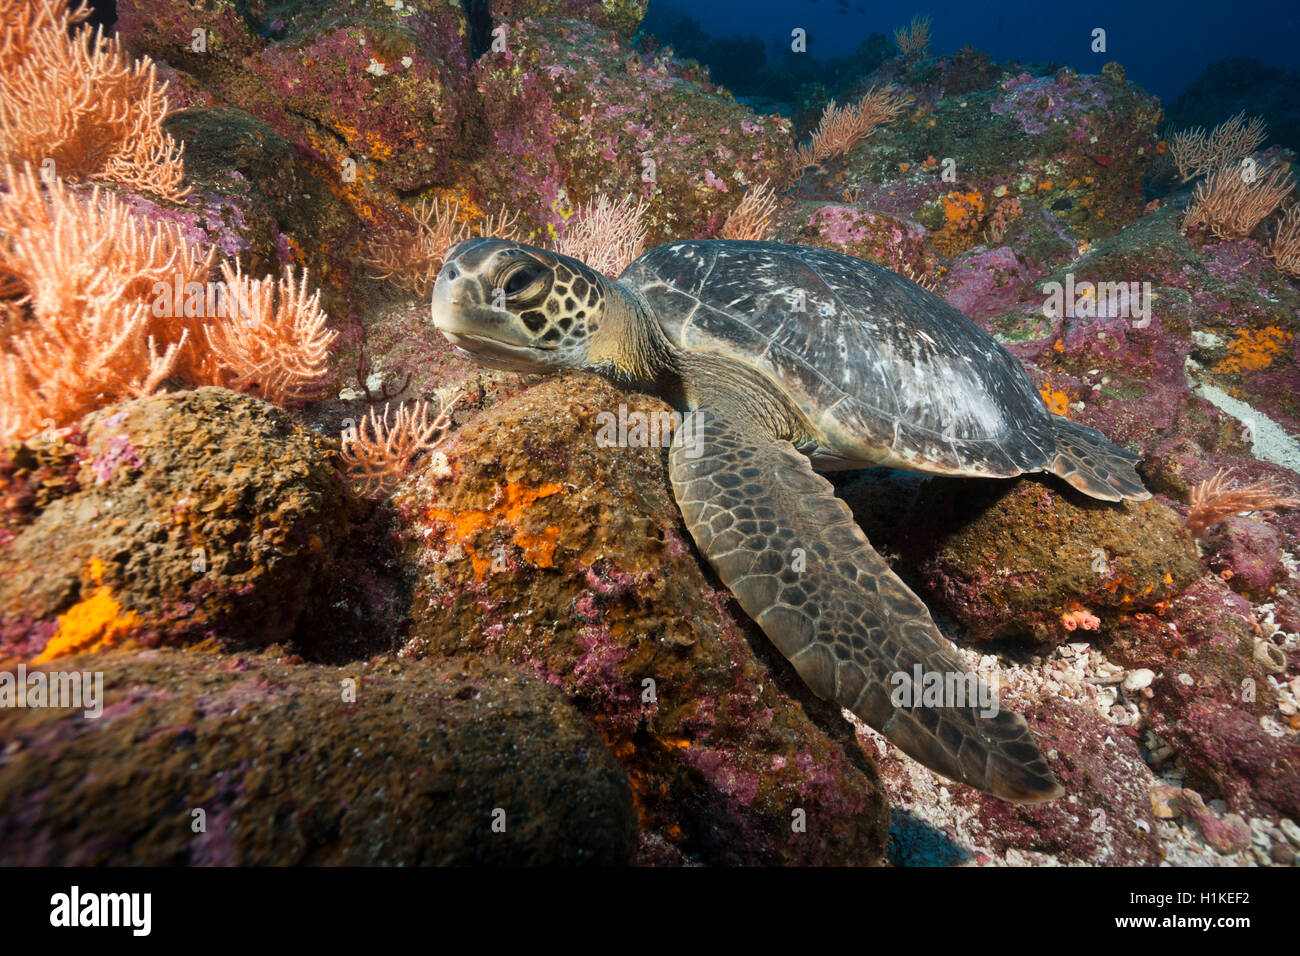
(1198, 153)
(606, 235)
(379, 455)
(413, 258)
(79, 327)
(1234, 200)
(97, 305)
(1214, 499)
(73, 104)
(843, 126)
(752, 218)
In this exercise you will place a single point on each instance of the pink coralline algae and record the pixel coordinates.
(983, 281)
(895, 243)
(120, 452)
(598, 670)
(402, 116)
(610, 582)
(1233, 259)
(739, 785)
(1037, 103)
(206, 219)
(678, 142)
(842, 225)
(1247, 553)
(350, 82)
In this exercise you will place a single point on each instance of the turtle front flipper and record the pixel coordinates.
(1088, 461)
(800, 566)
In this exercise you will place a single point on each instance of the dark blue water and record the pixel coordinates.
(1163, 45)
(1205, 62)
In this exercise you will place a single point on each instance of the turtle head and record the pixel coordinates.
(517, 307)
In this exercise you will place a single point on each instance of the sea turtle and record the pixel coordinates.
(784, 359)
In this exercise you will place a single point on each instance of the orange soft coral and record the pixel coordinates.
(1057, 402)
(963, 210)
(73, 104)
(963, 213)
(1254, 349)
(514, 499)
(84, 331)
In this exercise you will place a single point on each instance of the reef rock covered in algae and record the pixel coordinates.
(535, 545)
(254, 197)
(375, 99)
(1130, 357)
(1079, 145)
(572, 114)
(169, 519)
(621, 16)
(252, 760)
(384, 102)
(1035, 558)
(1212, 701)
(307, 131)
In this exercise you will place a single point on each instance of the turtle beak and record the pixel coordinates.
(458, 310)
(450, 295)
(475, 330)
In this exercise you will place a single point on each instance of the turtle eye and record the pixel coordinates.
(523, 279)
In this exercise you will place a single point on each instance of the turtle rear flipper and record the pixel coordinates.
(1092, 464)
(799, 565)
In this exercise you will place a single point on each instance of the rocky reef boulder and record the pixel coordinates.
(376, 98)
(1035, 558)
(1231, 755)
(983, 280)
(255, 761)
(1077, 144)
(538, 544)
(172, 519)
(621, 16)
(1247, 553)
(393, 84)
(857, 228)
(1179, 349)
(571, 114)
(254, 199)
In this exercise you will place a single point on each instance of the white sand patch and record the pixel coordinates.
(1271, 442)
